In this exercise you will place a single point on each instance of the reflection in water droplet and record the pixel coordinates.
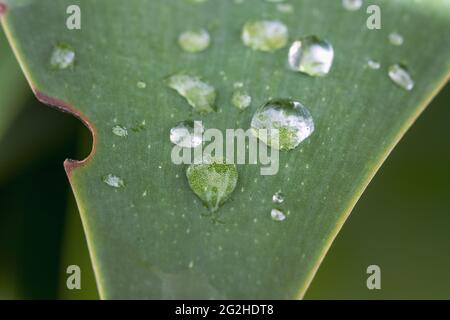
(200, 95)
(311, 55)
(62, 56)
(373, 64)
(212, 181)
(265, 35)
(120, 131)
(241, 99)
(396, 39)
(277, 215)
(352, 5)
(287, 122)
(194, 41)
(187, 134)
(400, 75)
(113, 181)
(278, 197)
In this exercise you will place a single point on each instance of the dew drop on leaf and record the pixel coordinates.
(63, 56)
(187, 134)
(113, 181)
(141, 85)
(120, 131)
(278, 197)
(277, 215)
(373, 64)
(312, 56)
(395, 39)
(241, 99)
(200, 95)
(282, 124)
(213, 181)
(265, 35)
(194, 41)
(400, 75)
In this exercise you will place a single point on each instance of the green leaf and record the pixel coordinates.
(149, 238)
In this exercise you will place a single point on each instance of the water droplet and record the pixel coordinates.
(187, 134)
(194, 41)
(120, 131)
(352, 5)
(212, 181)
(395, 39)
(113, 181)
(287, 122)
(265, 35)
(141, 85)
(278, 197)
(373, 64)
(277, 215)
(241, 99)
(400, 75)
(62, 56)
(311, 55)
(200, 95)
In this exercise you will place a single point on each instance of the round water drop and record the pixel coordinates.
(120, 131)
(200, 95)
(278, 197)
(373, 64)
(113, 181)
(282, 124)
(312, 56)
(187, 134)
(141, 85)
(401, 77)
(62, 56)
(241, 100)
(352, 5)
(213, 181)
(194, 41)
(265, 35)
(396, 39)
(277, 215)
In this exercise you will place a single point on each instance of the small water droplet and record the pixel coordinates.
(311, 55)
(141, 85)
(120, 131)
(113, 181)
(265, 35)
(277, 215)
(194, 40)
(352, 5)
(278, 197)
(191, 264)
(395, 39)
(285, 7)
(241, 99)
(400, 75)
(287, 122)
(187, 134)
(373, 64)
(200, 95)
(63, 56)
(212, 181)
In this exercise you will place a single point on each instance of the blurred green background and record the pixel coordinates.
(401, 223)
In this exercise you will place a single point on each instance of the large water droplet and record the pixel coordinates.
(278, 197)
(113, 181)
(212, 181)
(396, 39)
(200, 95)
(277, 215)
(62, 56)
(265, 35)
(352, 5)
(287, 122)
(194, 41)
(311, 55)
(241, 99)
(120, 131)
(187, 134)
(400, 75)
